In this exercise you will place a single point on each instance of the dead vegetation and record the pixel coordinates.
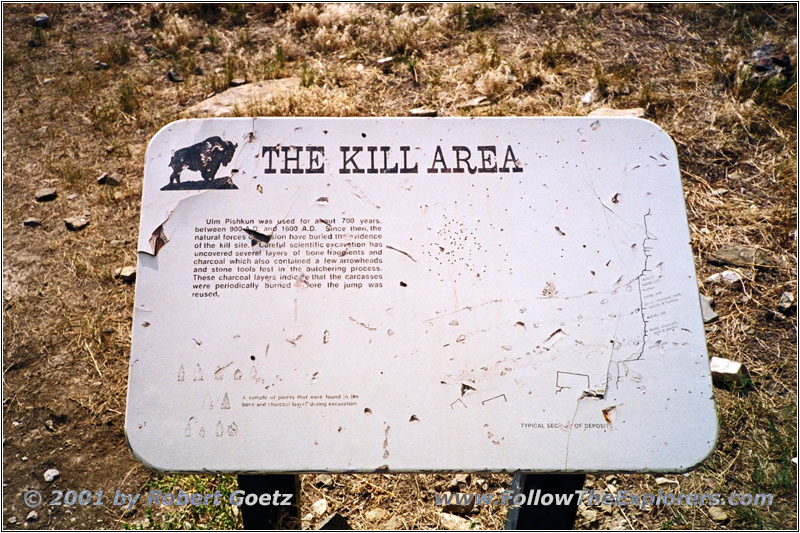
(84, 95)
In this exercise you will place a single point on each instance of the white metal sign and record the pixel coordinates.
(414, 295)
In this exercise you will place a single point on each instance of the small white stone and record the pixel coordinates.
(33, 516)
(636, 112)
(588, 98)
(728, 277)
(128, 273)
(724, 370)
(665, 481)
(51, 474)
(376, 515)
(319, 507)
(717, 514)
(453, 522)
(786, 302)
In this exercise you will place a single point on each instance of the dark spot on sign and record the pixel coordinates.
(145, 324)
(466, 388)
(617, 198)
(560, 232)
(364, 135)
(556, 332)
(367, 411)
(403, 284)
(252, 357)
(257, 236)
(413, 418)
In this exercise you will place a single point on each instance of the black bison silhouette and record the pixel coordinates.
(204, 157)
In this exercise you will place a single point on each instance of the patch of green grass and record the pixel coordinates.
(213, 40)
(244, 39)
(749, 515)
(115, 52)
(557, 54)
(308, 75)
(411, 64)
(274, 67)
(474, 17)
(237, 14)
(128, 100)
(37, 38)
(209, 516)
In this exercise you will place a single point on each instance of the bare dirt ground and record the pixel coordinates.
(83, 96)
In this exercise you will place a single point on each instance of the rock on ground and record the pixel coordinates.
(393, 524)
(32, 222)
(480, 101)
(51, 474)
(460, 480)
(423, 112)
(76, 223)
(743, 256)
(590, 515)
(319, 507)
(46, 195)
(726, 371)
(786, 302)
(665, 481)
(728, 277)
(105, 179)
(174, 76)
(127, 273)
(717, 514)
(225, 102)
(324, 480)
(636, 112)
(453, 522)
(708, 313)
(376, 515)
(41, 20)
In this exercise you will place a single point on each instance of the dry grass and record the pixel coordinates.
(67, 320)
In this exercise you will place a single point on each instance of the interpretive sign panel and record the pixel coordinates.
(414, 295)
